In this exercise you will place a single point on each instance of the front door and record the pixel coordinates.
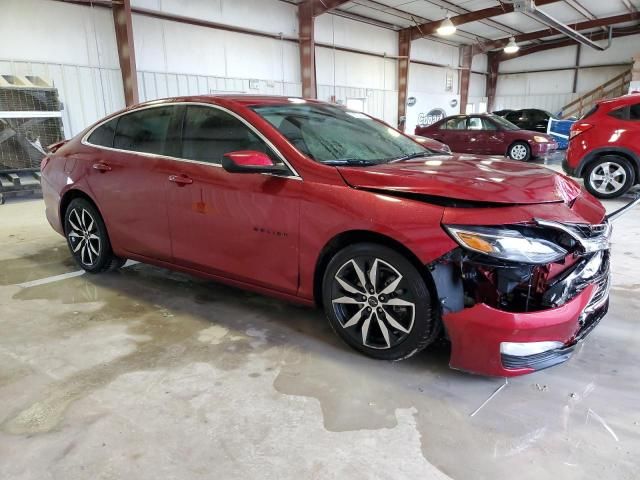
(240, 225)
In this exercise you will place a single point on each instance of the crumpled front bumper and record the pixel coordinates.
(477, 333)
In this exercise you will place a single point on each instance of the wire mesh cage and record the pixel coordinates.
(30, 120)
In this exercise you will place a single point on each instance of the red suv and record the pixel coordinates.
(605, 147)
(321, 205)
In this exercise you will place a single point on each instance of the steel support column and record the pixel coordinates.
(126, 51)
(493, 61)
(307, 49)
(466, 55)
(404, 53)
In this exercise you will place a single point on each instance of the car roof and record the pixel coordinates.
(623, 100)
(240, 99)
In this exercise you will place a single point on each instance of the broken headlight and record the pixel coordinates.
(507, 244)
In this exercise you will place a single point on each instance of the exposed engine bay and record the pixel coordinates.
(464, 278)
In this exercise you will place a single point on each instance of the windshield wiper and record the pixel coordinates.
(352, 162)
(411, 156)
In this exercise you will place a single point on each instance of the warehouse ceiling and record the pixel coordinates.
(494, 19)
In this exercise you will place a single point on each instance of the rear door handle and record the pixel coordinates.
(180, 179)
(101, 167)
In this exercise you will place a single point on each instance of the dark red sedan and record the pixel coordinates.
(489, 135)
(316, 204)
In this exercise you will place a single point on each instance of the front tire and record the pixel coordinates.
(378, 302)
(520, 151)
(87, 238)
(608, 177)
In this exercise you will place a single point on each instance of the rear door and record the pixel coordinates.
(129, 179)
(240, 225)
(453, 132)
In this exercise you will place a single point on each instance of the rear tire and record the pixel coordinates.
(88, 239)
(519, 151)
(378, 302)
(609, 177)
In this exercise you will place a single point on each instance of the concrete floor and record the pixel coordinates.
(148, 374)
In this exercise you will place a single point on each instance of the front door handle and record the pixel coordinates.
(180, 179)
(101, 167)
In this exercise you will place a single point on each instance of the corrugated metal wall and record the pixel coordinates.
(153, 85)
(381, 104)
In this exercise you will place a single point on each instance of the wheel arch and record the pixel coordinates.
(594, 155)
(69, 196)
(351, 237)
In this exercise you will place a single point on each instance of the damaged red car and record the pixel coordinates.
(320, 205)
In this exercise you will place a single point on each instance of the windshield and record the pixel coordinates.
(506, 124)
(334, 135)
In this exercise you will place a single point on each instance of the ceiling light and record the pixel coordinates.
(512, 46)
(446, 27)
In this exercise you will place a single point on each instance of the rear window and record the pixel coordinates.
(103, 135)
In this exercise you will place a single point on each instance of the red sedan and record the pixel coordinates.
(489, 135)
(316, 204)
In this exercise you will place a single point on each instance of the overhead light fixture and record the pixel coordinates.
(446, 27)
(512, 46)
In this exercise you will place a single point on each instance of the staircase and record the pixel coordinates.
(615, 87)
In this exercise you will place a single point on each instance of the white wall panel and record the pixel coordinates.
(434, 52)
(382, 104)
(479, 63)
(42, 30)
(590, 78)
(174, 47)
(556, 58)
(353, 75)
(622, 50)
(271, 16)
(429, 79)
(477, 85)
(154, 85)
(343, 32)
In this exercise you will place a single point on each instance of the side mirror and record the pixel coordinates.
(251, 161)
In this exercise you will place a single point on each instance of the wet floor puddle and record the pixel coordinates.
(180, 320)
(45, 263)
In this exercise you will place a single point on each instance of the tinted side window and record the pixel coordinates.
(513, 116)
(209, 133)
(622, 113)
(634, 112)
(103, 135)
(144, 130)
(455, 124)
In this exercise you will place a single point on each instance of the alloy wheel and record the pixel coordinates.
(83, 236)
(519, 152)
(372, 302)
(608, 178)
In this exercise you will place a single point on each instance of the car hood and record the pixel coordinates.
(469, 178)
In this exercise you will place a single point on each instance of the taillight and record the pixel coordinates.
(578, 128)
(53, 148)
(44, 162)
